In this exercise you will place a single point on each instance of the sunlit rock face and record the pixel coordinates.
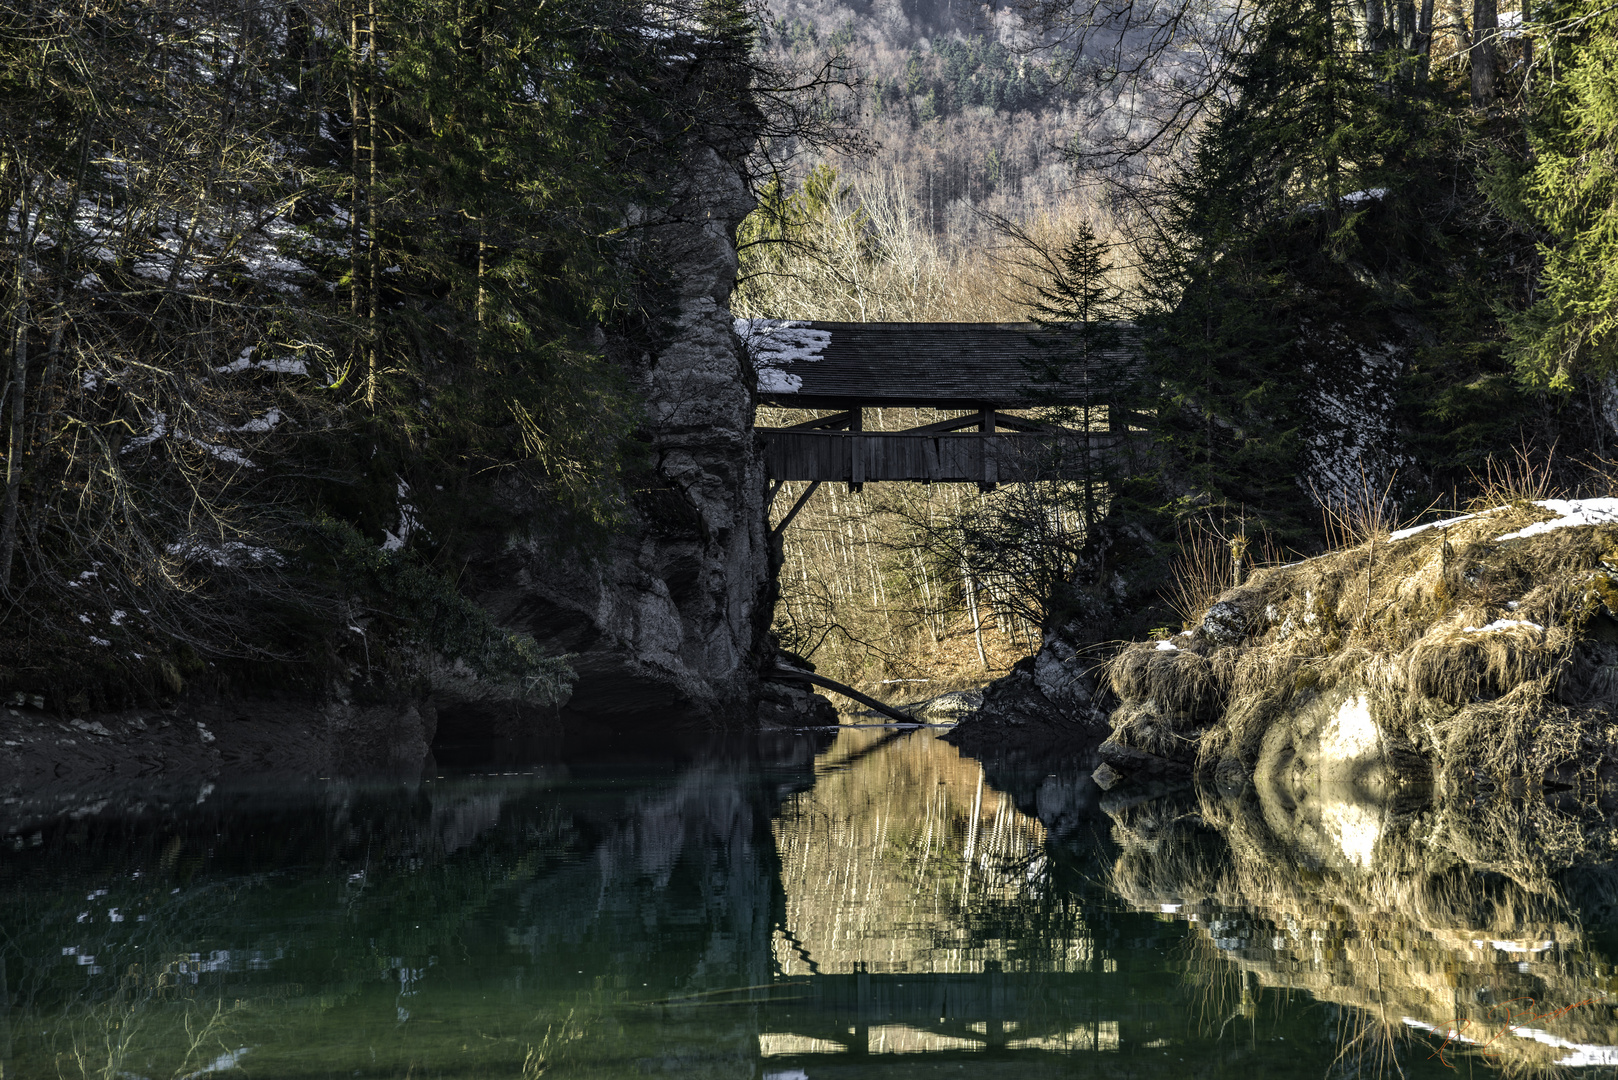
(671, 620)
(1464, 932)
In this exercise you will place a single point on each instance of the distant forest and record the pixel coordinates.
(962, 117)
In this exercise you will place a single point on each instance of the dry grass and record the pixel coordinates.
(1444, 927)
(1520, 480)
(1463, 643)
(1366, 515)
(1203, 568)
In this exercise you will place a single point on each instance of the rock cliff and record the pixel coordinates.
(671, 621)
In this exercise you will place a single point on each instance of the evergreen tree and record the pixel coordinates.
(1330, 211)
(1079, 367)
(1570, 191)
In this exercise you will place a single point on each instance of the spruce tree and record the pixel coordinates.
(1078, 366)
(1570, 192)
(1329, 212)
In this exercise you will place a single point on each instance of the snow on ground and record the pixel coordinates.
(1570, 514)
(409, 521)
(228, 554)
(283, 365)
(1502, 624)
(776, 344)
(1400, 534)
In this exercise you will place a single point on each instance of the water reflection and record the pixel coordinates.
(1475, 933)
(797, 906)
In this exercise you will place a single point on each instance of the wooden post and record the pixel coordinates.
(856, 450)
(988, 475)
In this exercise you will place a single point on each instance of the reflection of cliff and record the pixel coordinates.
(1473, 919)
(902, 859)
(468, 927)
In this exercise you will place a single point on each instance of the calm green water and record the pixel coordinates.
(799, 907)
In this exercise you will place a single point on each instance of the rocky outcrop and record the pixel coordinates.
(1056, 697)
(671, 621)
(1479, 649)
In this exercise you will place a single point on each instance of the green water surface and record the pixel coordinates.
(801, 908)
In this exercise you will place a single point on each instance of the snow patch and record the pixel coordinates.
(159, 429)
(1354, 198)
(231, 553)
(774, 345)
(261, 424)
(1400, 534)
(1501, 624)
(281, 365)
(409, 521)
(1570, 514)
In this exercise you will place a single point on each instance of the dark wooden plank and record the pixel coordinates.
(956, 457)
(932, 365)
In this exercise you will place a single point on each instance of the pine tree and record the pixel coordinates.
(1079, 366)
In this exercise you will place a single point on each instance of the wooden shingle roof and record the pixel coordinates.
(821, 365)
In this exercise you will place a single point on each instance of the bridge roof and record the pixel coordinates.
(841, 365)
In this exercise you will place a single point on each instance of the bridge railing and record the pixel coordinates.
(955, 457)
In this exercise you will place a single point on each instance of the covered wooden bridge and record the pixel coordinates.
(977, 368)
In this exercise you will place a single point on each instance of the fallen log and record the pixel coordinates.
(782, 673)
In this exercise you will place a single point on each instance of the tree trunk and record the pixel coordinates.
(356, 266)
(374, 255)
(14, 442)
(1424, 38)
(46, 395)
(977, 624)
(1485, 24)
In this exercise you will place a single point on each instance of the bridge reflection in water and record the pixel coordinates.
(918, 916)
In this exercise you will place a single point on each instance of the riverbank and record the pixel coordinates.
(198, 741)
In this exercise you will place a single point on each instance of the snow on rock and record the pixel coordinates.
(1167, 646)
(1351, 438)
(409, 522)
(776, 344)
(1571, 513)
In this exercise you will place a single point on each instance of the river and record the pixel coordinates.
(784, 907)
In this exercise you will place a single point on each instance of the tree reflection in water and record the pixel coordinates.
(782, 906)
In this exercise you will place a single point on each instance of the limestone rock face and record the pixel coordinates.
(671, 621)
